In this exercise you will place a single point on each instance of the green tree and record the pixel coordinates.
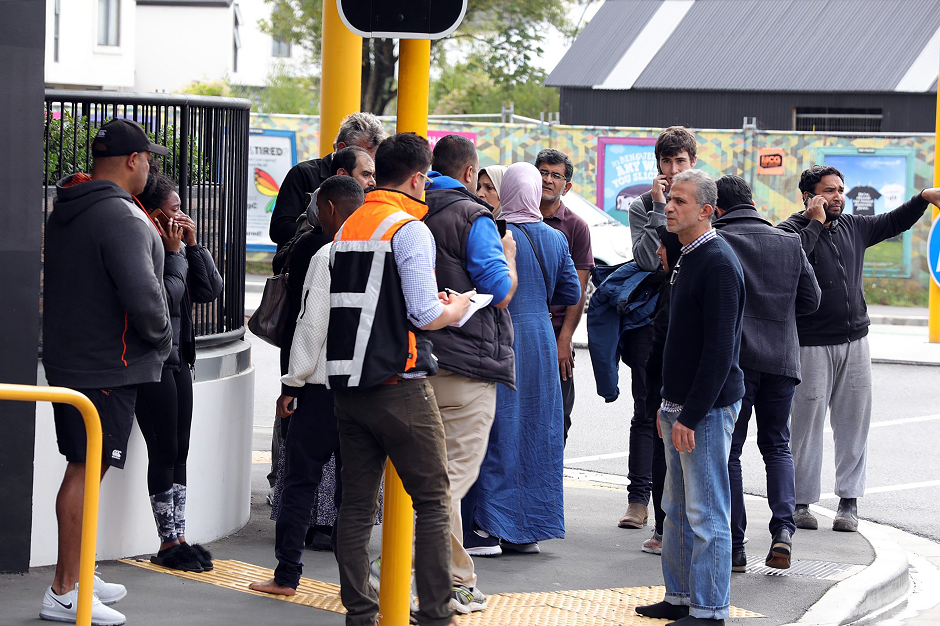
(504, 39)
(281, 93)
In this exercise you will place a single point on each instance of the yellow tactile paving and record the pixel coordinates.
(590, 607)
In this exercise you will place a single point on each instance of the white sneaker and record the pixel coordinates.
(64, 608)
(109, 593)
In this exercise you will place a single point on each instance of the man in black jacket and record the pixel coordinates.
(702, 391)
(359, 129)
(834, 354)
(779, 284)
(476, 356)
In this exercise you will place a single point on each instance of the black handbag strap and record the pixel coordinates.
(548, 292)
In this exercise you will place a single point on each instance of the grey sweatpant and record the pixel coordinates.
(837, 378)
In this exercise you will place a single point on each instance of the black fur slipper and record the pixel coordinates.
(177, 557)
(201, 554)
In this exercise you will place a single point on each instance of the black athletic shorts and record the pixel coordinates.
(116, 410)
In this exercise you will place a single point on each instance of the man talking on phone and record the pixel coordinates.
(834, 354)
(476, 356)
(675, 152)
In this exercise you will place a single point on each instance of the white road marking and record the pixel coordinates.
(753, 438)
(889, 488)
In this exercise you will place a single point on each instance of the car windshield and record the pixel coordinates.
(588, 211)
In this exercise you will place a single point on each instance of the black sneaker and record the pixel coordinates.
(481, 543)
(804, 519)
(780, 547)
(846, 519)
(739, 561)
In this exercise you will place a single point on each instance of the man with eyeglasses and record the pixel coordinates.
(556, 170)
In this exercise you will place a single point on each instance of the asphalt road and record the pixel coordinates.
(903, 475)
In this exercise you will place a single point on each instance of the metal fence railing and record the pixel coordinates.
(207, 138)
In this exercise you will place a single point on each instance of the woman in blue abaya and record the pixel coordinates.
(520, 496)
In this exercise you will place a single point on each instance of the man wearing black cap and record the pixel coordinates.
(106, 329)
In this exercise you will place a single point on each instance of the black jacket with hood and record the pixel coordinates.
(779, 284)
(837, 253)
(105, 317)
(188, 276)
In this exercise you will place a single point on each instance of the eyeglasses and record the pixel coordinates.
(675, 271)
(552, 175)
(427, 180)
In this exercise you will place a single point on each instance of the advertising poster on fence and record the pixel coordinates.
(877, 181)
(271, 154)
(435, 135)
(626, 167)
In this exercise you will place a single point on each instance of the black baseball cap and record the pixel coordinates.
(120, 137)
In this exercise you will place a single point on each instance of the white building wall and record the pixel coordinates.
(82, 62)
(255, 61)
(179, 45)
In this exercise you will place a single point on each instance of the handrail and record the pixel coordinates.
(123, 97)
(86, 572)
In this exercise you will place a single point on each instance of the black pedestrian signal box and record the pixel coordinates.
(402, 19)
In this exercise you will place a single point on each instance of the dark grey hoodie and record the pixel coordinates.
(105, 317)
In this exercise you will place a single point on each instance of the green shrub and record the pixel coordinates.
(895, 291)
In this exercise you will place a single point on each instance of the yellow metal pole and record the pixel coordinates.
(414, 66)
(933, 320)
(340, 75)
(86, 572)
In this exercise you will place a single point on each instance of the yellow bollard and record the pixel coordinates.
(933, 319)
(86, 573)
(414, 66)
(340, 75)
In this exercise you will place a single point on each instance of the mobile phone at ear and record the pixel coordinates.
(159, 216)
(501, 227)
(809, 195)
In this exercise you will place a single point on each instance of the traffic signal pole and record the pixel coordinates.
(340, 75)
(414, 67)
(933, 319)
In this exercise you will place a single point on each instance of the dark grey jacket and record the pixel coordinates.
(105, 318)
(189, 276)
(481, 348)
(779, 284)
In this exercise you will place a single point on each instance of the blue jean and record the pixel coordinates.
(770, 396)
(697, 502)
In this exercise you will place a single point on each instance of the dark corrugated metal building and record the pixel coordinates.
(823, 65)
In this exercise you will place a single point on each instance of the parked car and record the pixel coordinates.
(610, 240)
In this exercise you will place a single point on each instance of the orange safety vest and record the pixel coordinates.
(370, 338)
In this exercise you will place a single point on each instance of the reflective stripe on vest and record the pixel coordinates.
(379, 244)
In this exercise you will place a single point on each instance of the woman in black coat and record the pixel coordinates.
(165, 408)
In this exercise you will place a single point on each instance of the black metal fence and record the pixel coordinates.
(207, 138)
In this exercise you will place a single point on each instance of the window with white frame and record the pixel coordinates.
(109, 22)
(280, 48)
(236, 37)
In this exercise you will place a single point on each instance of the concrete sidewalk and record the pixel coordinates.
(596, 555)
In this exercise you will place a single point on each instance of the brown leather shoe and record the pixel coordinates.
(635, 517)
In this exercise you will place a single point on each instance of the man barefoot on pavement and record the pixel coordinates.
(702, 391)
(834, 353)
(106, 329)
(383, 302)
(478, 355)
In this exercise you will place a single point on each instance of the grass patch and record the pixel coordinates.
(894, 291)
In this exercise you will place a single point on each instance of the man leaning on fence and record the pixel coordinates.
(106, 329)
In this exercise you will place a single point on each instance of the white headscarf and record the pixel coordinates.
(521, 194)
(495, 172)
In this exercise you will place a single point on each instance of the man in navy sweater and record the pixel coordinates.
(702, 390)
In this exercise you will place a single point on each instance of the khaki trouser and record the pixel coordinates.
(467, 409)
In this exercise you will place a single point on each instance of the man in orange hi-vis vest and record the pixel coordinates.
(383, 301)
